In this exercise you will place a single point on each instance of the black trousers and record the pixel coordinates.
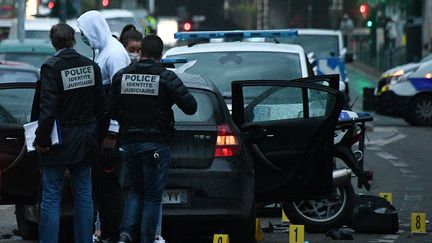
(109, 200)
(107, 193)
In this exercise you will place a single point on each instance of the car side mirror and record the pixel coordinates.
(349, 57)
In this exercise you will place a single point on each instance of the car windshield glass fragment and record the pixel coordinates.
(224, 67)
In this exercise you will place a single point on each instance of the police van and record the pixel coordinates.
(407, 94)
(244, 55)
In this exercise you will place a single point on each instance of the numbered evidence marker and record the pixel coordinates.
(418, 223)
(284, 217)
(220, 238)
(387, 195)
(296, 233)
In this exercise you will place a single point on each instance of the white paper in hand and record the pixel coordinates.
(29, 133)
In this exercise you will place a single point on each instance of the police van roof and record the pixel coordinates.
(235, 46)
(318, 32)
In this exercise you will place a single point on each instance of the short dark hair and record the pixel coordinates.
(128, 33)
(151, 46)
(62, 36)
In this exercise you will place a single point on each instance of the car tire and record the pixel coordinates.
(243, 230)
(313, 225)
(28, 230)
(420, 111)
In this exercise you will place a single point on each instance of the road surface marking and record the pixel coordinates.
(397, 163)
(406, 171)
(415, 197)
(385, 155)
(385, 141)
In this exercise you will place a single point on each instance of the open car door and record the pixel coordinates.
(288, 127)
(19, 176)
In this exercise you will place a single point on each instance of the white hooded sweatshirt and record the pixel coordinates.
(112, 55)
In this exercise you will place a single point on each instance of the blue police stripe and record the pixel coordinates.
(421, 84)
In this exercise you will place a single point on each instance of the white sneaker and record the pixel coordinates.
(159, 239)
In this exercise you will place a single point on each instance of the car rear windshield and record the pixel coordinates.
(224, 67)
(209, 110)
(17, 76)
(321, 45)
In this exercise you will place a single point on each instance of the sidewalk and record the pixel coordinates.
(372, 72)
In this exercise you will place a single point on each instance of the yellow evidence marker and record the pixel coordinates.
(296, 233)
(418, 223)
(220, 238)
(387, 195)
(284, 217)
(258, 231)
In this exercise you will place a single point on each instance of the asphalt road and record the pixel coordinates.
(397, 153)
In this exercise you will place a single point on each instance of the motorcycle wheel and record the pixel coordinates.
(320, 216)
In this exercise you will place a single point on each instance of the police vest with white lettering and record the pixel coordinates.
(144, 100)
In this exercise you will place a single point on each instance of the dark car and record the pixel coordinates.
(275, 146)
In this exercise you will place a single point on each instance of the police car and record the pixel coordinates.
(223, 62)
(408, 94)
(249, 55)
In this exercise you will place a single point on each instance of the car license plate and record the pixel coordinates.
(175, 196)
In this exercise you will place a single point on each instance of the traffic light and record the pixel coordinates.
(369, 23)
(364, 10)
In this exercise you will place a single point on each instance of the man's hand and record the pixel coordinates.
(109, 154)
(41, 149)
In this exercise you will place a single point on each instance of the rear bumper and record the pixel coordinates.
(389, 103)
(212, 194)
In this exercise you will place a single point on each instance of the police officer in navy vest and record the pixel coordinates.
(142, 120)
(71, 97)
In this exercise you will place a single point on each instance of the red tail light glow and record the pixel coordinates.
(227, 143)
(51, 5)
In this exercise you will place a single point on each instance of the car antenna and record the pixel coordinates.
(352, 105)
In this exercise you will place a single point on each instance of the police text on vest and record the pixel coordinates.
(79, 77)
(140, 84)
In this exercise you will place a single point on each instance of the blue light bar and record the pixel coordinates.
(173, 60)
(191, 35)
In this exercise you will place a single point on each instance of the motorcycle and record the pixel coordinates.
(320, 216)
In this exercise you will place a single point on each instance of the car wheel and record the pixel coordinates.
(243, 231)
(320, 216)
(420, 111)
(27, 229)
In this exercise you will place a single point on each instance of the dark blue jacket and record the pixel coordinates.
(71, 93)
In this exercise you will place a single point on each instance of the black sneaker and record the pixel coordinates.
(124, 238)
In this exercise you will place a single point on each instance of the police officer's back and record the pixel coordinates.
(141, 100)
(72, 96)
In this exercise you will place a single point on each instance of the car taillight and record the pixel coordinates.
(227, 143)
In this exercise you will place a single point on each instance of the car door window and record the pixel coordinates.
(320, 103)
(264, 103)
(15, 105)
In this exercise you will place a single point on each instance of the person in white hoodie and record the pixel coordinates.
(111, 57)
